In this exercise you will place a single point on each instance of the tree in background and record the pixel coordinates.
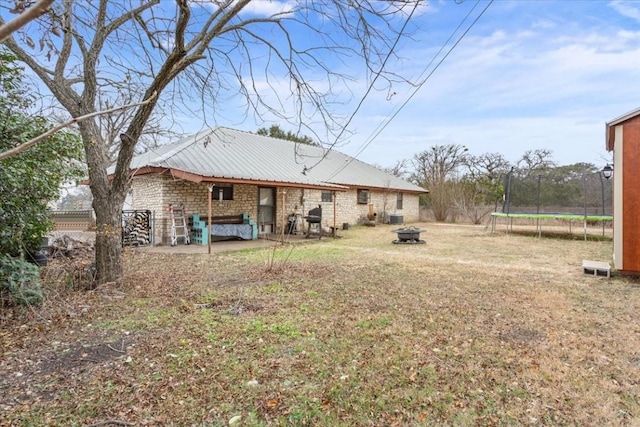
(437, 169)
(78, 198)
(534, 162)
(29, 180)
(477, 192)
(399, 168)
(178, 52)
(275, 132)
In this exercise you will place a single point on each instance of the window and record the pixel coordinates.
(327, 196)
(399, 201)
(363, 197)
(222, 192)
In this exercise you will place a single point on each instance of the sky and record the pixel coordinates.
(529, 74)
(501, 76)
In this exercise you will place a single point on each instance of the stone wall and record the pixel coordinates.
(348, 209)
(155, 192)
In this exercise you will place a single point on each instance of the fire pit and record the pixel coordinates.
(409, 235)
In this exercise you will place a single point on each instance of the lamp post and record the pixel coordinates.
(607, 173)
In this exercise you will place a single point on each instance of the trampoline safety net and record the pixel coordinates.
(587, 194)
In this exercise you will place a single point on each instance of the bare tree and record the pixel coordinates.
(436, 169)
(398, 169)
(187, 51)
(487, 167)
(533, 161)
(476, 193)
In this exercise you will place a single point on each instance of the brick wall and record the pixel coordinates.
(155, 192)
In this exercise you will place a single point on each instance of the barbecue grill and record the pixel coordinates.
(314, 218)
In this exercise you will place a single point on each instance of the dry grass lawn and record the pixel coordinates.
(467, 329)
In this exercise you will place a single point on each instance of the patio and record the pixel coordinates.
(229, 245)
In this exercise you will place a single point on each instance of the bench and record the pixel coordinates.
(223, 227)
(596, 268)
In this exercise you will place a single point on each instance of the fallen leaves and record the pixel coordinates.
(364, 333)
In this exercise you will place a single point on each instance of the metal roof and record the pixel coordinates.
(225, 153)
(609, 125)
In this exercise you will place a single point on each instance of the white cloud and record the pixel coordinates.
(269, 8)
(527, 76)
(261, 7)
(627, 8)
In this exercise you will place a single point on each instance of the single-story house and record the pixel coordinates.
(268, 180)
(623, 138)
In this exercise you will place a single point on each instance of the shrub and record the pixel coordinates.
(19, 282)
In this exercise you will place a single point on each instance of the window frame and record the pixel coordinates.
(227, 192)
(323, 196)
(399, 200)
(363, 196)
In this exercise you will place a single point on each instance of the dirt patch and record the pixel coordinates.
(69, 358)
(41, 374)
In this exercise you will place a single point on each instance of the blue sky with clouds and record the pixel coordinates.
(528, 75)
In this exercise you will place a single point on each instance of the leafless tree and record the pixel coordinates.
(487, 167)
(191, 52)
(436, 169)
(398, 169)
(476, 193)
(533, 161)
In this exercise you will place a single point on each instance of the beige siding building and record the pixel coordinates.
(270, 181)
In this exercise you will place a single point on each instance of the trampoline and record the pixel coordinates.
(553, 198)
(568, 218)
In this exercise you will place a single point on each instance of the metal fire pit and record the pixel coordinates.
(410, 235)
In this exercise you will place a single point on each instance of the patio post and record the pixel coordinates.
(209, 219)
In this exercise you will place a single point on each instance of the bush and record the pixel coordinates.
(19, 282)
(32, 178)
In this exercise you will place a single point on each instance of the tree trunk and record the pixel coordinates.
(107, 205)
(108, 241)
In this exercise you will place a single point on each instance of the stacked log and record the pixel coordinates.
(136, 230)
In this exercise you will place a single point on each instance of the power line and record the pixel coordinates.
(378, 73)
(388, 120)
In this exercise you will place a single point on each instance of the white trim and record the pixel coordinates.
(618, 179)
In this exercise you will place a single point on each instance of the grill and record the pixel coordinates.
(410, 235)
(314, 218)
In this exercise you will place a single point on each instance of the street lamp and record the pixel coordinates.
(607, 173)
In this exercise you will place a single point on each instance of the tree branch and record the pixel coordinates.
(67, 41)
(24, 18)
(25, 146)
(116, 23)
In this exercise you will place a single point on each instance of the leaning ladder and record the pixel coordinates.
(179, 226)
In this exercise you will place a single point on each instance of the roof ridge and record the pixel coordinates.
(624, 117)
(180, 145)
